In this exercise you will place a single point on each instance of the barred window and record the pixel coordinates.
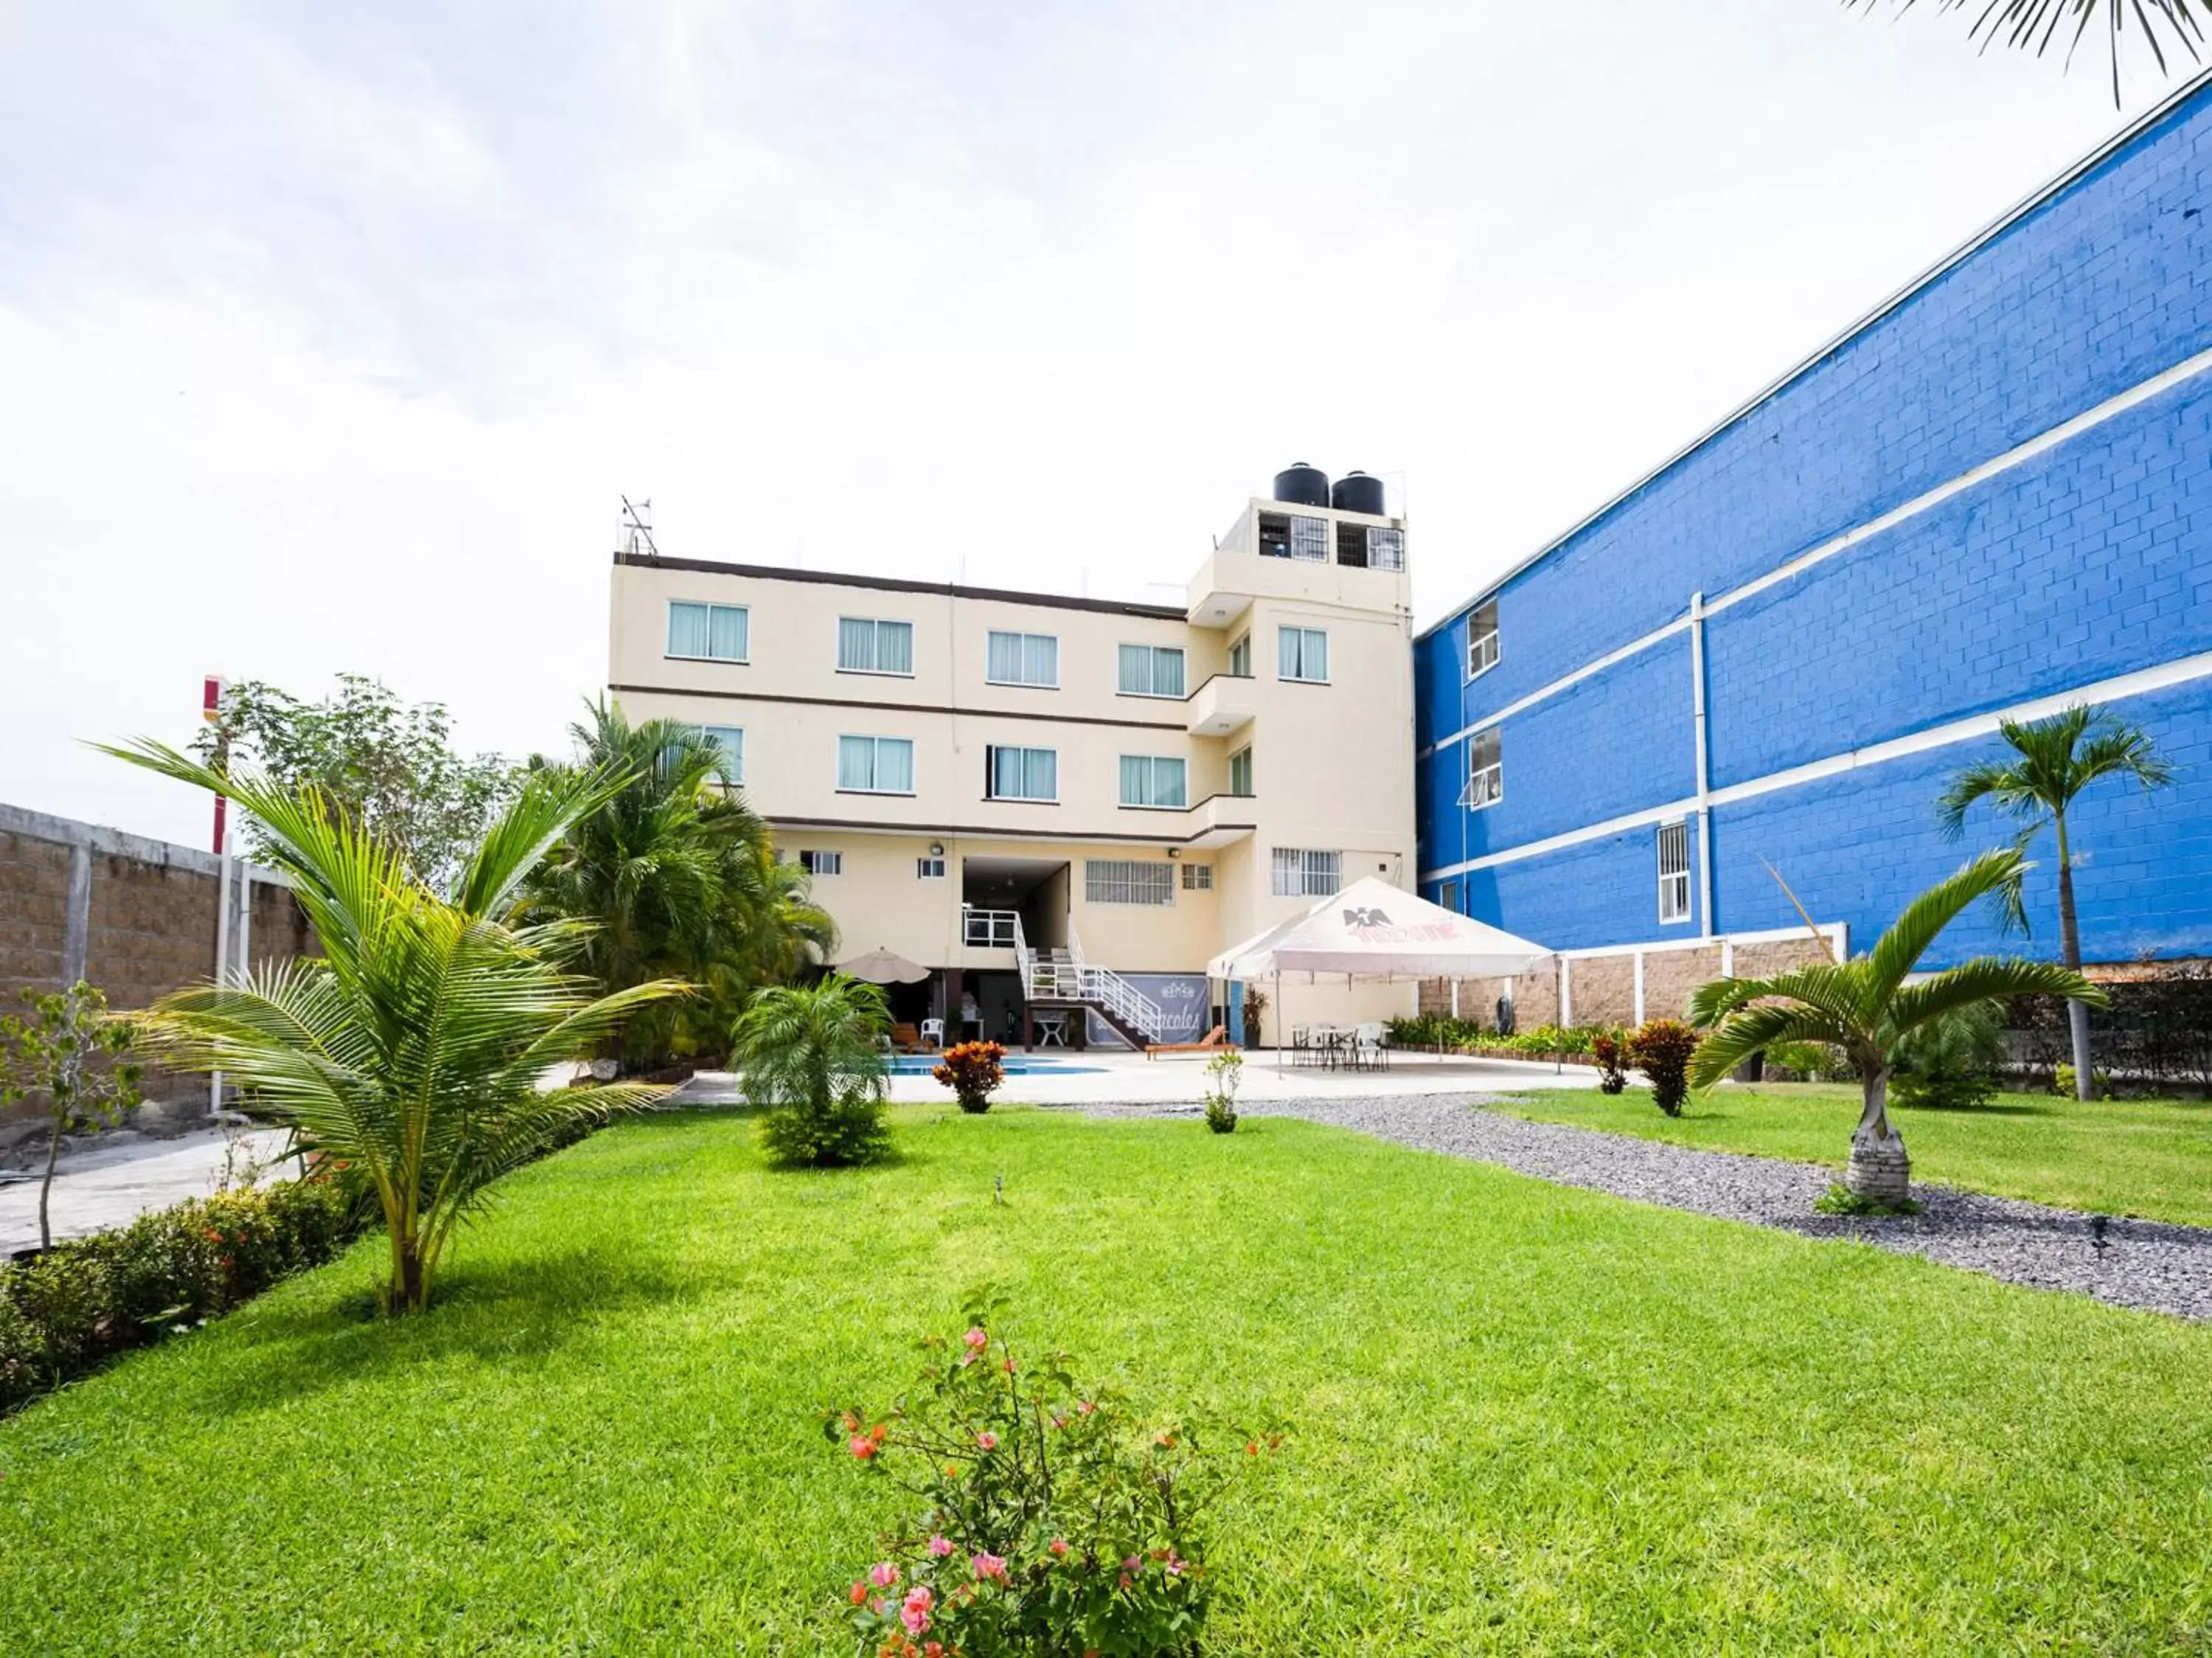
(1125, 880)
(1674, 872)
(1307, 875)
(1198, 877)
(1310, 540)
(1386, 548)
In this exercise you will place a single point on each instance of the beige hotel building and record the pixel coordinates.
(1063, 807)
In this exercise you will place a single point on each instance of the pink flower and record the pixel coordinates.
(1085, 1406)
(940, 1546)
(1058, 1545)
(1060, 1422)
(992, 1566)
(1176, 1563)
(977, 1340)
(986, 1441)
(915, 1614)
(861, 1447)
(883, 1573)
(1132, 1562)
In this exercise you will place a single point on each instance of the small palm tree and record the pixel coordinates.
(2054, 760)
(412, 1050)
(814, 1058)
(1865, 1007)
(2033, 25)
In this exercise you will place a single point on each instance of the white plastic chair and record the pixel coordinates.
(932, 1033)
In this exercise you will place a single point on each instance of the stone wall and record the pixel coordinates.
(136, 916)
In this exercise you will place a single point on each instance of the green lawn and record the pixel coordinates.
(2149, 1157)
(1525, 1418)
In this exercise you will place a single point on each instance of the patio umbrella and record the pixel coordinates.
(882, 966)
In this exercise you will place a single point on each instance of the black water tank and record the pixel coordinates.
(1303, 486)
(1357, 492)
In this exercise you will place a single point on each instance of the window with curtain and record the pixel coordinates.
(1151, 671)
(1240, 658)
(731, 740)
(714, 633)
(1240, 773)
(1301, 874)
(1023, 773)
(875, 766)
(868, 645)
(1153, 780)
(1022, 659)
(1302, 653)
(1125, 881)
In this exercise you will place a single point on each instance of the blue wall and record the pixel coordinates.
(2090, 560)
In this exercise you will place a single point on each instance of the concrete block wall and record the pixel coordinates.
(2007, 476)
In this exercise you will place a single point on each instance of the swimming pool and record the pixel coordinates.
(921, 1064)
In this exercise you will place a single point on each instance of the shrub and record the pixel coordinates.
(2061, 1082)
(66, 1311)
(1436, 1030)
(1841, 1200)
(1223, 1073)
(972, 1071)
(1255, 1016)
(1609, 1049)
(813, 1058)
(1046, 1520)
(1950, 1064)
(1807, 1062)
(1663, 1050)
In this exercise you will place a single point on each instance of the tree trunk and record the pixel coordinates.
(46, 1185)
(2070, 952)
(1879, 1168)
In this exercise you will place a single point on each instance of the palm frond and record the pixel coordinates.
(1982, 980)
(1908, 938)
(2033, 25)
(1745, 1032)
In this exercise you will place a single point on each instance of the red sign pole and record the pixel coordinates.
(211, 690)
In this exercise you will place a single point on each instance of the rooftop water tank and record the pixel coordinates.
(1303, 486)
(1357, 492)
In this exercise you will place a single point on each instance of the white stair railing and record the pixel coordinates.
(1112, 991)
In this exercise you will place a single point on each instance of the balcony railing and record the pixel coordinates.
(990, 930)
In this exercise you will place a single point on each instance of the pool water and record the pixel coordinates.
(921, 1064)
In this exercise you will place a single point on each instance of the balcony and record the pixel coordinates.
(1218, 820)
(1223, 703)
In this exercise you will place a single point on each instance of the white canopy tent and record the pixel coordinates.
(1373, 931)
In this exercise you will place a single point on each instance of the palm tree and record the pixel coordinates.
(411, 1050)
(813, 1057)
(679, 876)
(1865, 1007)
(2033, 25)
(2054, 760)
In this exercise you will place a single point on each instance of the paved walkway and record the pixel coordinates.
(112, 1182)
(2145, 1263)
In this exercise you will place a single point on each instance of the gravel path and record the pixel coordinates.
(2147, 1264)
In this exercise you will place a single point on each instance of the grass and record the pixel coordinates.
(1526, 1419)
(2146, 1157)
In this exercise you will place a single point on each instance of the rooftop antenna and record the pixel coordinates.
(636, 533)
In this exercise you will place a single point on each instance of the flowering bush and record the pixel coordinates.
(1663, 1050)
(1610, 1050)
(972, 1071)
(1048, 1522)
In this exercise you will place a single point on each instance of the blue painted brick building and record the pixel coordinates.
(1992, 498)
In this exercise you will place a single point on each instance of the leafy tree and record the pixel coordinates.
(2053, 761)
(2033, 25)
(678, 876)
(813, 1058)
(1865, 1007)
(55, 1057)
(411, 1052)
(391, 766)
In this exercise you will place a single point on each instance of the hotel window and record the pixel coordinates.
(866, 645)
(1674, 872)
(1386, 548)
(731, 740)
(1022, 774)
(1198, 877)
(1240, 659)
(1485, 770)
(1151, 671)
(1482, 641)
(929, 867)
(709, 633)
(822, 863)
(1302, 653)
(1447, 897)
(1125, 880)
(875, 766)
(1307, 875)
(1154, 780)
(1310, 540)
(1022, 659)
(1240, 773)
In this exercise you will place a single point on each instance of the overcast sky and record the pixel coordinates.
(330, 337)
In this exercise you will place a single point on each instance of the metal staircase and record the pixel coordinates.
(1059, 976)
